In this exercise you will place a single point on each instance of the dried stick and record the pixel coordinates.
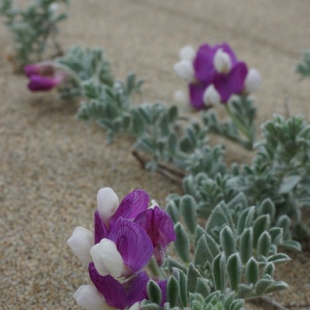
(269, 301)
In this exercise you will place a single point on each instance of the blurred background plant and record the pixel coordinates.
(32, 29)
(303, 67)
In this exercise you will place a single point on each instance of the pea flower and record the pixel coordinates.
(217, 75)
(43, 76)
(159, 226)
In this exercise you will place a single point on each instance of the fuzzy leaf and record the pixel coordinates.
(188, 211)
(182, 243)
(251, 271)
(246, 245)
(263, 244)
(154, 292)
(227, 239)
(172, 291)
(234, 271)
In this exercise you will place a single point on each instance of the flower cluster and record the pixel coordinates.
(125, 238)
(44, 76)
(214, 74)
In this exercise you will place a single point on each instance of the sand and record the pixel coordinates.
(52, 165)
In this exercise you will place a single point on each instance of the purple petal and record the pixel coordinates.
(41, 83)
(203, 64)
(42, 68)
(159, 226)
(196, 95)
(133, 243)
(113, 292)
(163, 286)
(232, 83)
(101, 230)
(137, 290)
(133, 204)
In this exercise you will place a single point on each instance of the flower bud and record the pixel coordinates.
(89, 298)
(108, 203)
(222, 61)
(185, 70)
(107, 259)
(252, 81)
(181, 97)
(211, 96)
(81, 241)
(187, 53)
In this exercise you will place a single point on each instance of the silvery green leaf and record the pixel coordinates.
(172, 291)
(173, 143)
(237, 304)
(202, 252)
(263, 244)
(198, 233)
(182, 243)
(171, 262)
(245, 219)
(188, 186)
(278, 258)
(219, 272)
(234, 271)
(227, 239)
(154, 292)
(147, 305)
(239, 199)
(291, 245)
(276, 286)
(284, 222)
(183, 288)
(269, 269)
(192, 276)
(202, 287)
(251, 271)
(261, 224)
(173, 211)
(188, 211)
(276, 234)
(262, 285)
(246, 245)
(245, 290)
(212, 245)
(289, 183)
(267, 207)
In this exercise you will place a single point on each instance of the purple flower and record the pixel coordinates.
(42, 83)
(45, 68)
(126, 250)
(116, 294)
(159, 226)
(217, 70)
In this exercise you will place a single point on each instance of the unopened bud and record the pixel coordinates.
(185, 70)
(222, 61)
(211, 96)
(187, 53)
(252, 81)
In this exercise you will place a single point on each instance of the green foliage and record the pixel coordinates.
(303, 68)
(32, 27)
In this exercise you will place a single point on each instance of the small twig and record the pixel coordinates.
(173, 173)
(287, 107)
(269, 301)
(298, 306)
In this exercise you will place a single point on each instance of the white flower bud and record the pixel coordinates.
(81, 241)
(107, 259)
(53, 7)
(135, 306)
(222, 61)
(187, 53)
(89, 298)
(108, 203)
(252, 81)
(181, 96)
(211, 96)
(185, 70)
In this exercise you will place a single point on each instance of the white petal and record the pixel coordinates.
(181, 96)
(107, 259)
(81, 241)
(89, 298)
(135, 306)
(252, 81)
(53, 7)
(153, 204)
(108, 203)
(211, 96)
(187, 53)
(222, 61)
(185, 70)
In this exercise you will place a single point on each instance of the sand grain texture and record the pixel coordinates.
(52, 165)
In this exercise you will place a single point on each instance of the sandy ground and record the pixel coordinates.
(51, 165)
